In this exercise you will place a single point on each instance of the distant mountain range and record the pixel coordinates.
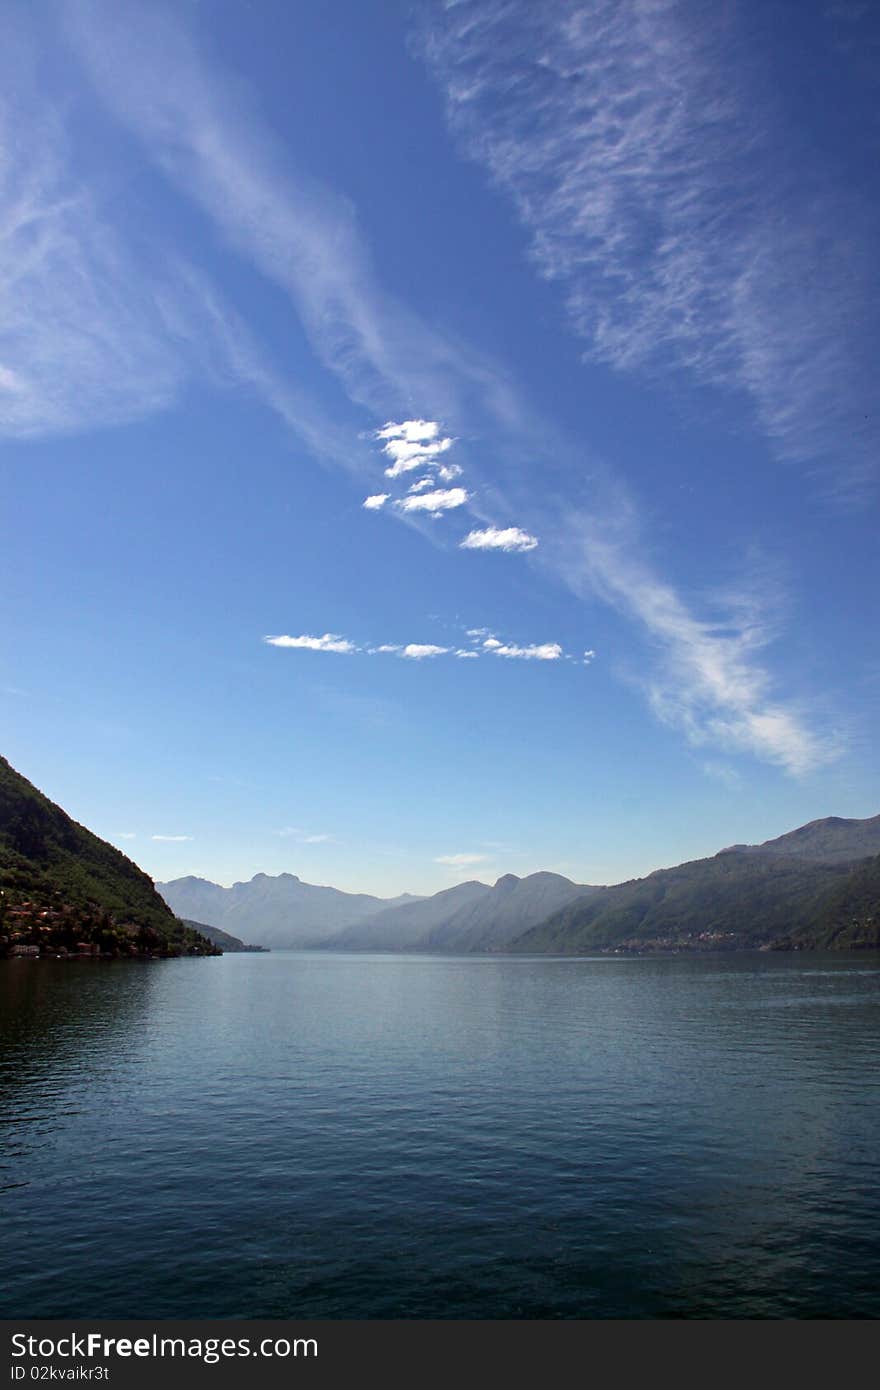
(469, 917)
(816, 886)
(285, 912)
(275, 912)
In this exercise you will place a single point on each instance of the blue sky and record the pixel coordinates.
(581, 297)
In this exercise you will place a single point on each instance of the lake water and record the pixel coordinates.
(332, 1136)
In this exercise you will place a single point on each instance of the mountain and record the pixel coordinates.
(848, 916)
(408, 927)
(730, 901)
(829, 841)
(63, 886)
(469, 917)
(277, 911)
(223, 939)
(510, 908)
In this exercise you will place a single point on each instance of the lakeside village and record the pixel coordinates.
(63, 931)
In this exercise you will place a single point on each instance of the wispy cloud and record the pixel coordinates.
(645, 152)
(723, 772)
(126, 835)
(84, 340)
(375, 501)
(171, 839)
(293, 832)
(493, 538)
(202, 130)
(105, 322)
(330, 642)
(706, 678)
(460, 861)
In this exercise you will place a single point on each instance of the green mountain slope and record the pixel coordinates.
(848, 916)
(76, 885)
(732, 901)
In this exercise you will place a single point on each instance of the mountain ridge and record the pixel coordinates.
(63, 886)
(280, 911)
(793, 892)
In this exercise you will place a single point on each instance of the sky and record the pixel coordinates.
(437, 439)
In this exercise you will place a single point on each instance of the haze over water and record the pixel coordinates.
(316, 1135)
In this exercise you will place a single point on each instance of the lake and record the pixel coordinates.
(347, 1136)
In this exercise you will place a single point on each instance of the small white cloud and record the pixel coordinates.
(512, 538)
(375, 501)
(478, 632)
(317, 839)
(421, 485)
(171, 839)
(412, 444)
(491, 643)
(330, 642)
(541, 651)
(462, 653)
(460, 860)
(386, 647)
(405, 457)
(416, 651)
(127, 835)
(416, 431)
(588, 657)
(448, 471)
(442, 500)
